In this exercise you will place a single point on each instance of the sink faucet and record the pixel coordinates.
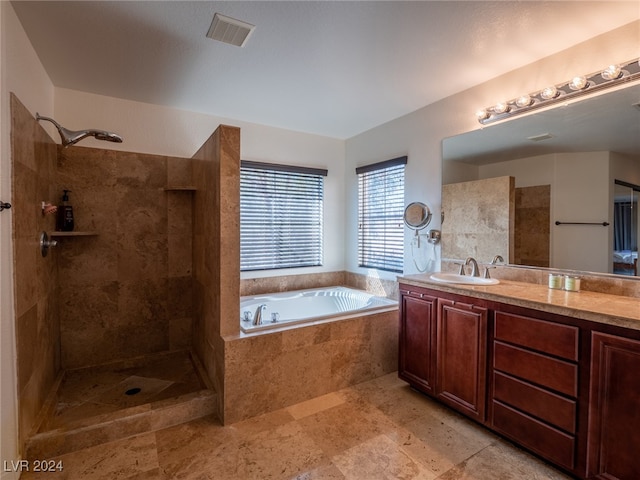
(257, 317)
(494, 262)
(474, 266)
(496, 259)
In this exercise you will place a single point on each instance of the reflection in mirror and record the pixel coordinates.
(565, 162)
(625, 228)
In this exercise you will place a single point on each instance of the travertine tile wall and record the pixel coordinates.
(286, 283)
(126, 291)
(265, 372)
(216, 251)
(37, 326)
(532, 226)
(478, 219)
(593, 282)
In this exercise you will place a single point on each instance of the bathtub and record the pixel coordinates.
(309, 306)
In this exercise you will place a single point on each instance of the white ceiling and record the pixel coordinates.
(332, 68)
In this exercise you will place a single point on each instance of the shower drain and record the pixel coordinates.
(133, 391)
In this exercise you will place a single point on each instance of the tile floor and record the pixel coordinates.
(379, 429)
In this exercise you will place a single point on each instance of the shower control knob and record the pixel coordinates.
(45, 243)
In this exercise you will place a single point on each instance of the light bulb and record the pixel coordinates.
(482, 115)
(524, 101)
(501, 107)
(612, 72)
(549, 93)
(578, 83)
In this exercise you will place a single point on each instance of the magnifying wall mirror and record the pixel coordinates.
(417, 216)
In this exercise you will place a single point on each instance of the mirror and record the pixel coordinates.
(417, 216)
(576, 152)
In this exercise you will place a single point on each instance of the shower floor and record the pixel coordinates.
(96, 405)
(97, 391)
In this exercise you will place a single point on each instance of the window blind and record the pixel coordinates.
(380, 211)
(281, 211)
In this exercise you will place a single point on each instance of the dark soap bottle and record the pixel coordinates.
(64, 221)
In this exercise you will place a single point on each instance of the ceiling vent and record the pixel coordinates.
(229, 30)
(539, 138)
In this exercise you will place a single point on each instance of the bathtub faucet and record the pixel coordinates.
(257, 318)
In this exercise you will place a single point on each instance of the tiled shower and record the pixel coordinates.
(118, 287)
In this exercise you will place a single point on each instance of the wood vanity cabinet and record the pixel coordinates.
(564, 388)
(416, 362)
(614, 414)
(442, 349)
(461, 360)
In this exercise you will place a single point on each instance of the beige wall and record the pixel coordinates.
(580, 192)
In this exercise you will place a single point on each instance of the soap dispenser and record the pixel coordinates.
(64, 221)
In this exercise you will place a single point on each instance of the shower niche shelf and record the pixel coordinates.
(180, 188)
(73, 234)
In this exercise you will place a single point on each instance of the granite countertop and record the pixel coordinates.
(597, 307)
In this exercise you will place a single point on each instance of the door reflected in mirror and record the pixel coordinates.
(625, 228)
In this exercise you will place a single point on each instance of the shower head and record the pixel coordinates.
(70, 137)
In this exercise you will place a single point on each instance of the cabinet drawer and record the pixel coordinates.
(548, 337)
(545, 405)
(545, 371)
(552, 444)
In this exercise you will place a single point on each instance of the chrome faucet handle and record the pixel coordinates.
(486, 270)
(461, 270)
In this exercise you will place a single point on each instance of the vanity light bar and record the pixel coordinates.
(580, 85)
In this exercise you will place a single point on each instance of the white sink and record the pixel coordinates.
(466, 279)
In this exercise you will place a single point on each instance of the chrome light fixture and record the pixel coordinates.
(579, 85)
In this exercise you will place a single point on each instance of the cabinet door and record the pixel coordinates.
(614, 416)
(462, 357)
(417, 334)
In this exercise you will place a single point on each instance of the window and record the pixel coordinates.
(380, 210)
(280, 216)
